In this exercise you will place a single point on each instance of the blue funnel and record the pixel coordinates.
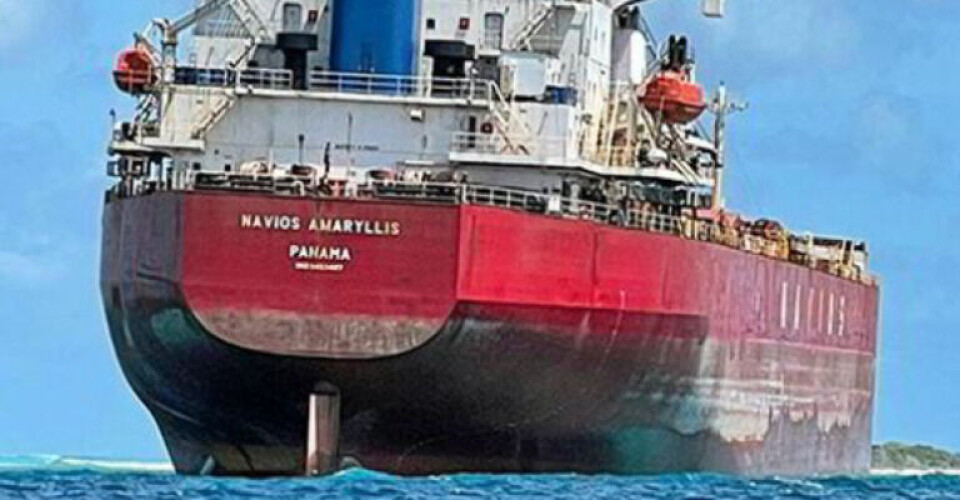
(375, 36)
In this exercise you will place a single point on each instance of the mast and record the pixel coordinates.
(721, 107)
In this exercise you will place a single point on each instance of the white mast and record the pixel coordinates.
(721, 106)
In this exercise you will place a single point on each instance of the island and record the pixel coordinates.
(906, 457)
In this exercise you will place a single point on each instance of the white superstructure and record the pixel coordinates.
(519, 93)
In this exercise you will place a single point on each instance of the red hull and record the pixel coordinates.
(726, 360)
(445, 255)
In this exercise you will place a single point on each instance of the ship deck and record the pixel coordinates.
(833, 256)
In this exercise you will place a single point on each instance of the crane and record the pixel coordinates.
(170, 30)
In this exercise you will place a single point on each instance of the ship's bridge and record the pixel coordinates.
(518, 92)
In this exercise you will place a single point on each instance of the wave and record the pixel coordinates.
(57, 463)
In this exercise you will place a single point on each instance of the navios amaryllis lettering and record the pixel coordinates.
(348, 226)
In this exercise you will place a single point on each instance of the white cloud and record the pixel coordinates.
(767, 41)
(790, 33)
(884, 123)
(27, 270)
(29, 258)
(17, 21)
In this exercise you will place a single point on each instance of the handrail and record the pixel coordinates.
(499, 144)
(506, 120)
(339, 82)
(543, 148)
(628, 215)
(399, 85)
(276, 79)
(265, 78)
(532, 24)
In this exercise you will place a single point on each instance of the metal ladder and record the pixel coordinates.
(523, 38)
(508, 122)
(250, 20)
(206, 121)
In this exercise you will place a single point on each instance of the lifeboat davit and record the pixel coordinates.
(673, 97)
(134, 72)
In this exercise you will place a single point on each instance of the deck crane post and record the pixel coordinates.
(170, 30)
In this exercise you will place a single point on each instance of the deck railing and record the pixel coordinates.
(632, 217)
(345, 83)
(636, 216)
(430, 192)
(399, 85)
(274, 79)
(541, 149)
(261, 78)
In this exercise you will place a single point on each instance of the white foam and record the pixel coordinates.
(58, 463)
(914, 472)
(116, 465)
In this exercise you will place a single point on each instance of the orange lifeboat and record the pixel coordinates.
(134, 72)
(674, 98)
(672, 94)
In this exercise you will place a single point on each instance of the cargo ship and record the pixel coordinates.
(444, 236)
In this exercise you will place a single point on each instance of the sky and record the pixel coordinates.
(847, 132)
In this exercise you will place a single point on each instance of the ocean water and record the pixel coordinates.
(57, 477)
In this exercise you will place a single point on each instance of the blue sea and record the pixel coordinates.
(58, 477)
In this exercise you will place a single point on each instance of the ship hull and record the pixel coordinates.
(472, 339)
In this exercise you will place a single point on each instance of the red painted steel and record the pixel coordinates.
(515, 258)
(444, 255)
(409, 275)
(469, 338)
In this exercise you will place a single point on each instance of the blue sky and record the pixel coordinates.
(849, 132)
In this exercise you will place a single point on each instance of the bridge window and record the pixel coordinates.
(292, 16)
(493, 31)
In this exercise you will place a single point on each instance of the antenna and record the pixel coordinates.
(711, 8)
(714, 8)
(722, 106)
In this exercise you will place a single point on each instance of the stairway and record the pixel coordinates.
(523, 39)
(509, 125)
(250, 19)
(207, 120)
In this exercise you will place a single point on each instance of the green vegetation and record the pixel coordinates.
(899, 456)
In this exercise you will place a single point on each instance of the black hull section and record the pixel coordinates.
(483, 395)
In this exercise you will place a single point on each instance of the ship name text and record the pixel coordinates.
(294, 223)
(312, 256)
